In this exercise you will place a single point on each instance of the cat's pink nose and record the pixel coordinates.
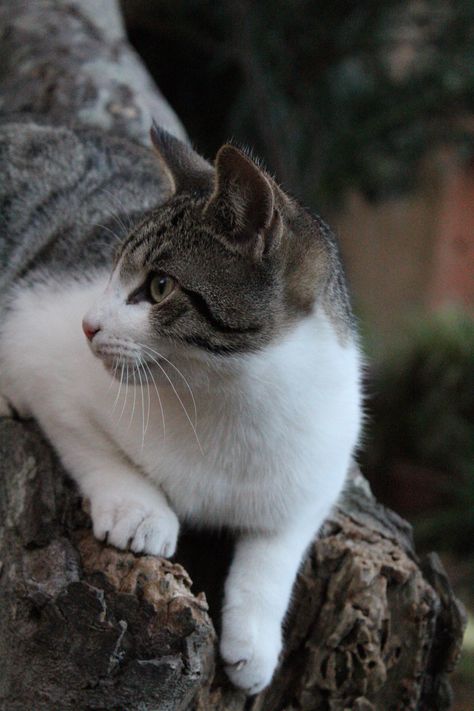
(89, 329)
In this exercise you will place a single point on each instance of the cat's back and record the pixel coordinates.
(66, 197)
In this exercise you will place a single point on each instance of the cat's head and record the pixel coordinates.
(226, 266)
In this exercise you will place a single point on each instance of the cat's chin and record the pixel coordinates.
(116, 366)
(111, 366)
(121, 368)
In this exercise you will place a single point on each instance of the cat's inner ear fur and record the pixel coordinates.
(185, 169)
(243, 203)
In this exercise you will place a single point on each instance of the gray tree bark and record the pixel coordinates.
(84, 626)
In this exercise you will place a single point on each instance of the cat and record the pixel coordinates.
(216, 377)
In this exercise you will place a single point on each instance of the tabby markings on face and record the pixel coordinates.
(224, 267)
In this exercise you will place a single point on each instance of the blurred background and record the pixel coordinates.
(365, 111)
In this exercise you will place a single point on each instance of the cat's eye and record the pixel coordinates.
(161, 286)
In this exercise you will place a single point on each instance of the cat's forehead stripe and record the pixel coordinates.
(154, 253)
(149, 239)
(151, 235)
(145, 237)
(137, 261)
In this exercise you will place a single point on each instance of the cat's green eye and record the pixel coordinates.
(161, 286)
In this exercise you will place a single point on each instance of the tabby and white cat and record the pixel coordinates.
(224, 326)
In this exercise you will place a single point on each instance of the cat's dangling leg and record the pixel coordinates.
(257, 595)
(126, 509)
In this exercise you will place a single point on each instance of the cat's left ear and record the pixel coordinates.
(185, 169)
(243, 204)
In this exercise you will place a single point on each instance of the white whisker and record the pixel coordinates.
(159, 397)
(148, 396)
(104, 227)
(143, 403)
(125, 396)
(113, 373)
(179, 373)
(119, 222)
(179, 400)
(134, 398)
(121, 207)
(119, 389)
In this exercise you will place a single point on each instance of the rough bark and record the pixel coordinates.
(84, 626)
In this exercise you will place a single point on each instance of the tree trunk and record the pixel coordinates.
(84, 626)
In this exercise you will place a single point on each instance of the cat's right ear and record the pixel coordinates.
(185, 169)
(243, 204)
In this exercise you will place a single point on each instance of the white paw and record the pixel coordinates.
(144, 526)
(249, 649)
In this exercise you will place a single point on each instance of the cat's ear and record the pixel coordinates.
(185, 169)
(243, 203)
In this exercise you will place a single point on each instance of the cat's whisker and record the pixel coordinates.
(148, 396)
(119, 389)
(158, 395)
(122, 228)
(120, 224)
(113, 379)
(112, 375)
(104, 227)
(146, 419)
(125, 396)
(143, 402)
(179, 400)
(152, 350)
(120, 205)
(134, 397)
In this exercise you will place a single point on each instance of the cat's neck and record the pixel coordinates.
(293, 359)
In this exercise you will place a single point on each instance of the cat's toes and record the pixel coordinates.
(102, 522)
(156, 536)
(250, 660)
(145, 529)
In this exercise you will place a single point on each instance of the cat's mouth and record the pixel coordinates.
(119, 359)
(115, 364)
(116, 356)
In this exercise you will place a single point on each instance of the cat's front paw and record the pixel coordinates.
(144, 525)
(249, 650)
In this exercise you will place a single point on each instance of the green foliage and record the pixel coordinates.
(332, 94)
(422, 411)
